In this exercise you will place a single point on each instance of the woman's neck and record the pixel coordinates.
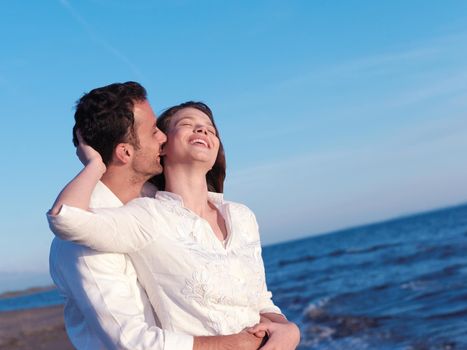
(191, 185)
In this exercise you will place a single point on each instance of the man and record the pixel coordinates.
(105, 306)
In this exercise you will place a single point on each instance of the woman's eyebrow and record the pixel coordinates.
(192, 118)
(182, 119)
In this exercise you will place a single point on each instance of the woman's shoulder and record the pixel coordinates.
(142, 203)
(236, 208)
(240, 209)
(244, 223)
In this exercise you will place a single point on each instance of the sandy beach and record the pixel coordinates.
(40, 328)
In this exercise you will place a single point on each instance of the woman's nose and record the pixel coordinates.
(201, 129)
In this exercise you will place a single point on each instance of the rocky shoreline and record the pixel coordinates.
(24, 292)
(38, 328)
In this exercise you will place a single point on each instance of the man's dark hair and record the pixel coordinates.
(104, 117)
(214, 177)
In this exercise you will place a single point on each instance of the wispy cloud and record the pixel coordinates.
(416, 138)
(99, 40)
(374, 64)
(380, 63)
(416, 169)
(362, 89)
(448, 85)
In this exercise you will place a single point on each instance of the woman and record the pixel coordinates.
(198, 256)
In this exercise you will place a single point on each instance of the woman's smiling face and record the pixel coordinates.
(191, 136)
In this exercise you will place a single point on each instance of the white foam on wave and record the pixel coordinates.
(415, 285)
(316, 307)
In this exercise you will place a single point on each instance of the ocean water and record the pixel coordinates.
(395, 285)
(400, 284)
(31, 300)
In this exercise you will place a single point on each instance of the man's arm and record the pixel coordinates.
(105, 302)
(283, 336)
(273, 317)
(104, 290)
(242, 340)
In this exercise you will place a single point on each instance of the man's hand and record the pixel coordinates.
(262, 333)
(239, 341)
(282, 336)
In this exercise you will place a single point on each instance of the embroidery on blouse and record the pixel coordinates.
(235, 279)
(222, 279)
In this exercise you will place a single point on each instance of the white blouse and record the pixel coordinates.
(195, 284)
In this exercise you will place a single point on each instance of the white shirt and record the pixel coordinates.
(195, 285)
(105, 307)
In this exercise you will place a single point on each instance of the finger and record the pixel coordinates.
(249, 329)
(80, 138)
(260, 334)
(269, 346)
(257, 328)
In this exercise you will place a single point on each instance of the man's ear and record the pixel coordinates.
(123, 152)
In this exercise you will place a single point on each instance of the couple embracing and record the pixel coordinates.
(148, 254)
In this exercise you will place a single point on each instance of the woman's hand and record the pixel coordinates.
(77, 193)
(282, 336)
(87, 154)
(262, 333)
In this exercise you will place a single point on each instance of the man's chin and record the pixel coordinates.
(159, 169)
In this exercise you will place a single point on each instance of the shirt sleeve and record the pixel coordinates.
(122, 230)
(106, 297)
(266, 304)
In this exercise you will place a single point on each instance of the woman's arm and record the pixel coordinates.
(107, 230)
(282, 334)
(265, 303)
(117, 230)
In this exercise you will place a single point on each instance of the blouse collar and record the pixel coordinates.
(215, 198)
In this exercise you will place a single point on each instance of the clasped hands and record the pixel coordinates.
(281, 335)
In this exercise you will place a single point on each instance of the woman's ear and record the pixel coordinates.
(162, 149)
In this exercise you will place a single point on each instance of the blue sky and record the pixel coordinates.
(333, 114)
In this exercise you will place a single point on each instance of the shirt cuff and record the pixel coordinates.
(178, 341)
(67, 218)
(272, 309)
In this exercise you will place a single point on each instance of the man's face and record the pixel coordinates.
(146, 161)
